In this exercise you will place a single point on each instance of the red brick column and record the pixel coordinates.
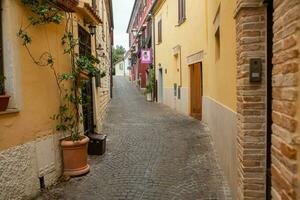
(251, 108)
(285, 93)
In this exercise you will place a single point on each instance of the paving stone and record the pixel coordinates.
(152, 153)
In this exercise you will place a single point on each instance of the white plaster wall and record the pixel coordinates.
(223, 128)
(19, 168)
(181, 105)
(119, 72)
(127, 64)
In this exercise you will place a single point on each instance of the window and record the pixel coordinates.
(217, 34)
(84, 42)
(181, 11)
(94, 4)
(217, 44)
(121, 66)
(159, 31)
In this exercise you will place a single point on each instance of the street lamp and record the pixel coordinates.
(92, 29)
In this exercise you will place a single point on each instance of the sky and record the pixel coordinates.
(122, 11)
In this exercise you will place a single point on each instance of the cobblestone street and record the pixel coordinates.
(152, 153)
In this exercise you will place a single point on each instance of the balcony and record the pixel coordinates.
(68, 5)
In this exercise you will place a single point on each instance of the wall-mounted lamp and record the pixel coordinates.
(99, 48)
(92, 29)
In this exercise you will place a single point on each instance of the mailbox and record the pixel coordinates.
(255, 70)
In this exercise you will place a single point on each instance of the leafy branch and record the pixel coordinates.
(45, 12)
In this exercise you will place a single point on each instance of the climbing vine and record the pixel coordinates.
(45, 12)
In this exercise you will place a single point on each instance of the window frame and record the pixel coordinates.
(84, 41)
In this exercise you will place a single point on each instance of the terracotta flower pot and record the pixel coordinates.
(84, 75)
(4, 99)
(75, 157)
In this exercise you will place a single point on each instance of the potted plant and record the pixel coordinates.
(69, 117)
(148, 92)
(4, 99)
(150, 86)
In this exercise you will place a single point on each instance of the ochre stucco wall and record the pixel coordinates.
(194, 35)
(220, 75)
(190, 35)
(39, 91)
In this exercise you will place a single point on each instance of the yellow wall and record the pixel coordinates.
(220, 75)
(189, 35)
(39, 93)
(194, 35)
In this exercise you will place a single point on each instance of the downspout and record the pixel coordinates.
(154, 56)
(180, 67)
(270, 35)
(111, 67)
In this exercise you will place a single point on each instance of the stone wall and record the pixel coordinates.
(251, 107)
(22, 165)
(284, 78)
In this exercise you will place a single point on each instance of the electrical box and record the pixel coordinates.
(255, 70)
(179, 92)
(175, 89)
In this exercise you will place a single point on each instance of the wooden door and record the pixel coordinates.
(196, 91)
(87, 89)
(88, 107)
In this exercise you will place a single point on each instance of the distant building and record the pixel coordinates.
(140, 40)
(127, 63)
(120, 68)
(123, 67)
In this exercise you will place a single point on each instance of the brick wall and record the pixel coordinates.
(284, 78)
(251, 107)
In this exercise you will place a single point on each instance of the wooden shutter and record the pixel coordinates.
(159, 29)
(181, 11)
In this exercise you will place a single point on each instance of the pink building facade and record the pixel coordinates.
(140, 38)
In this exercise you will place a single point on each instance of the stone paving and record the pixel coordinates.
(152, 153)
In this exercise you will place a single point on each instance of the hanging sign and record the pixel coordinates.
(146, 56)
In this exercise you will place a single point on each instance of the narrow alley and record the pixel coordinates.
(152, 153)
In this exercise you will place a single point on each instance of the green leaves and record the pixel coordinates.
(151, 83)
(68, 116)
(87, 64)
(43, 12)
(69, 42)
(24, 36)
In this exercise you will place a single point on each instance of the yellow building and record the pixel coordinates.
(195, 60)
(29, 144)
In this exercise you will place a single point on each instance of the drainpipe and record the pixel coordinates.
(270, 10)
(154, 55)
(111, 67)
(180, 67)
